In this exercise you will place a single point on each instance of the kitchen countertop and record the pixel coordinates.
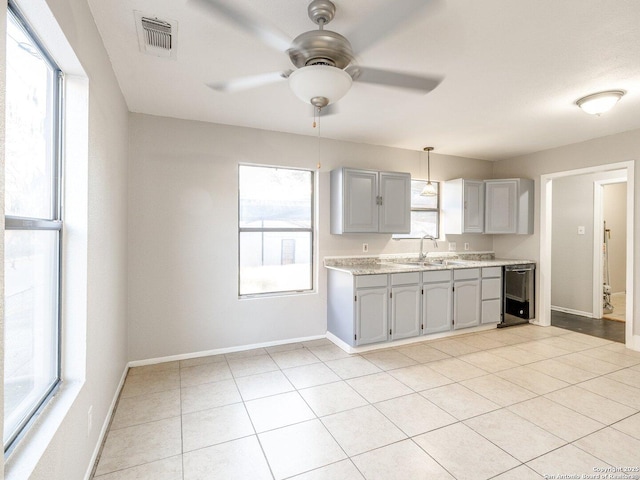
(383, 264)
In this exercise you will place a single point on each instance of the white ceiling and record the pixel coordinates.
(513, 69)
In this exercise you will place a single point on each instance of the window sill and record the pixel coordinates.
(30, 449)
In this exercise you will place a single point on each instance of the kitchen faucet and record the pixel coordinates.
(422, 255)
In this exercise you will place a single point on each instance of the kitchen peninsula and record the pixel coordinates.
(388, 298)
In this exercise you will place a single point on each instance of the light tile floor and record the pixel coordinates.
(516, 403)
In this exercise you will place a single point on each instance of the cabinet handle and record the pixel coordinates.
(389, 331)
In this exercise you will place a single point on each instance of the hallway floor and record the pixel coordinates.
(619, 302)
(597, 327)
(513, 403)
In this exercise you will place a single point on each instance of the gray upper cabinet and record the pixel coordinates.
(463, 206)
(509, 206)
(365, 201)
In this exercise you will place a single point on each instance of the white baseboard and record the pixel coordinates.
(105, 425)
(219, 351)
(572, 311)
(407, 341)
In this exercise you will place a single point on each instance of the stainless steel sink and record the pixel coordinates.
(425, 263)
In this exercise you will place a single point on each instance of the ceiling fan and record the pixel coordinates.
(324, 59)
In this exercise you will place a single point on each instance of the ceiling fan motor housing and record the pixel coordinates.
(321, 47)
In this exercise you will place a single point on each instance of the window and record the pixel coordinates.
(33, 228)
(275, 230)
(425, 212)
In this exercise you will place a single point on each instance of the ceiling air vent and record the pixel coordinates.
(156, 36)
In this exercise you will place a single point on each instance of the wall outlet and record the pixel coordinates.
(466, 245)
(452, 246)
(89, 420)
(365, 247)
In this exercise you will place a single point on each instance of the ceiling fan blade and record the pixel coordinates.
(252, 81)
(393, 79)
(270, 35)
(384, 20)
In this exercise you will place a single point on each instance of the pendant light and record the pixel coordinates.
(429, 189)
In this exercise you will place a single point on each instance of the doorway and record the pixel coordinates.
(610, 217)
(546, 234)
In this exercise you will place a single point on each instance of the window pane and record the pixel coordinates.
(30, 116)
(275, 262)
(31, 337)
(424, 223)
(275, 197)
(420, 201)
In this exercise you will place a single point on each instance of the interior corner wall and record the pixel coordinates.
(611, 149)
(183, 232)
(571, 252)
(69, 454)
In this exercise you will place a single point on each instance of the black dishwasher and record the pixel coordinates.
(518, 294)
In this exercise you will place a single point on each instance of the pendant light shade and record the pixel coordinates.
(429, 189)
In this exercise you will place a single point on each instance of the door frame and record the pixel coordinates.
(598, 235)
(544, 268)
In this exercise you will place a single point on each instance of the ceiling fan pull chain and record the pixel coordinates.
(318, 165)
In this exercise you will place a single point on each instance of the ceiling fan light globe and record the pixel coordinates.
(319, 81)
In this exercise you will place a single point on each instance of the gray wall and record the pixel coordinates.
(68, 454)
(572, 254)
(614, 212)
(600, 151)
(183, 232)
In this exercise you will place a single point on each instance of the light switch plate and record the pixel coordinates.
(581, 230)
(452, 246)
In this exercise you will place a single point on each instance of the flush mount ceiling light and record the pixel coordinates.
(600, 102)
(429, 189)
(319, 84)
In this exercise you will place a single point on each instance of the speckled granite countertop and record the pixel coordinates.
(380, 264)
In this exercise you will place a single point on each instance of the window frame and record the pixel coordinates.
(55, 223)
(310, 230)
(412, 235)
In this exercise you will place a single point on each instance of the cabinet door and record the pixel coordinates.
(371, 315)
(466, 304)
(405, 311)
(436, 307)
(360, 201)
(491, 311)
(395, 203)
(473, 215)
(501, 200)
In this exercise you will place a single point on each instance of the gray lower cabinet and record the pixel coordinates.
(466, 298)
(406, 296)
(371, 315)
(436, 301)
(491, 295)
(366, 309)
(358, 307)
